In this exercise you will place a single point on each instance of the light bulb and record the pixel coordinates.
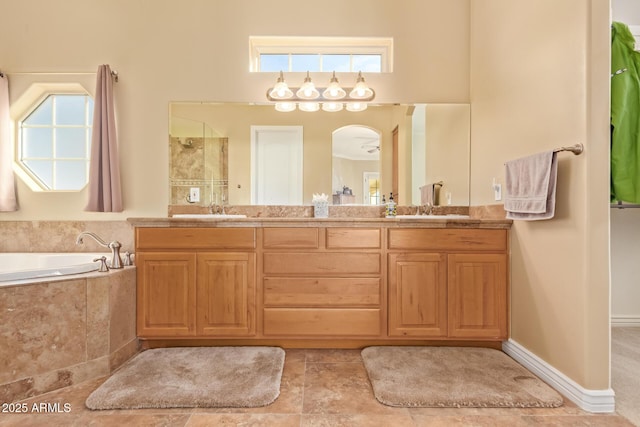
(334, 91)
(308, 89)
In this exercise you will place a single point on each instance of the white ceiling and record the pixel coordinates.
(354, 143)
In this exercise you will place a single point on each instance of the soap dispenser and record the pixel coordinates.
(391, 207)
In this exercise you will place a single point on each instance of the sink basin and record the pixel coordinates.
(450, 216)
(208, 216)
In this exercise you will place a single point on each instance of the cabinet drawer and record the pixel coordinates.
(275, 238)
(333, 292)
(321, 322)
(353, 238)
(195, 238)
(322, 263)
(458, 239)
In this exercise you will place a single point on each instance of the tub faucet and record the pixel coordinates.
(116, 261)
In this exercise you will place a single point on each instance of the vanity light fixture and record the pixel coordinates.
(285, 107)
(308, 90)
(356, 106)
(332, 107)
(309, 106)
(309, 98)
(281, 90)
(334, 91)
(361, 89)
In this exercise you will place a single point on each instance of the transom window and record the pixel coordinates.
(55, 141)
(321, 54)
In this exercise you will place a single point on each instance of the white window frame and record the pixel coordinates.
(382, 46)
(27, 103)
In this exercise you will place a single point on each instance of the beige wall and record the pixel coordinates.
(352, 172)
(188, 50)
(539, 80)
(447, 154)
(535, 72)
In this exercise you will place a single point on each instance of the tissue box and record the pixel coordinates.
(321, 209)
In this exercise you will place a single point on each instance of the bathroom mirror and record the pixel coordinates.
(418, 144)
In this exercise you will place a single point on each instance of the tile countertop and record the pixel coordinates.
(490, 216)
(443, 222)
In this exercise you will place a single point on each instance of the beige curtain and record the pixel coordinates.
(7, 183)
(104, 170)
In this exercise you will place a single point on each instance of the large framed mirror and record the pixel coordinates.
(215, 147)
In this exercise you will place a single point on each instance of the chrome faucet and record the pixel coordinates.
(427, 208)
(214, 207)
(116, 261)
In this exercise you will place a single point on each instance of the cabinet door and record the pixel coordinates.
(478, 296)
(417, 295)
(166, 297)
(226, 294)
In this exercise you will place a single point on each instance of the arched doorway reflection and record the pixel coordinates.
(356, 165)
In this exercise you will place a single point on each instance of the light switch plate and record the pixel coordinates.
(497, 191)
(194, 194)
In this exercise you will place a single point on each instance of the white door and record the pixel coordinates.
(276, 165)
(371, 188)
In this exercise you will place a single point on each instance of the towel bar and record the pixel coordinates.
(575, 149)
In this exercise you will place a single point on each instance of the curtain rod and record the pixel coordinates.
(114, 73)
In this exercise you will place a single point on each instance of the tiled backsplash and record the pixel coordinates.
(306, 211)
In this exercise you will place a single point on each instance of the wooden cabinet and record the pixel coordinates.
(209, 292)
(477, 286)
(166, 294)
(417, 295)
(322, 282)
(328, 285)
(448, 283)
(225, 294)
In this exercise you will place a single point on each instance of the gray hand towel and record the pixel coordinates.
(530, 187)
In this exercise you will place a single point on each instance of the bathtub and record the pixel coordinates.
(22, 268)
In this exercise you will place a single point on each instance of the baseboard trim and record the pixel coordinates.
(625, 320)
(596, 401)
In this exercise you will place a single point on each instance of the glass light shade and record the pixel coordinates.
(356, 106)
(361, 90)
(309, 106)
(332, 106)
(334, 91)
(285, 107)
(308, 89)
(280, 90)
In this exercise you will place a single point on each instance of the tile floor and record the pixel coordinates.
(319, 388)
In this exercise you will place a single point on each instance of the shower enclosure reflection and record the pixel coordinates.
(198, 160)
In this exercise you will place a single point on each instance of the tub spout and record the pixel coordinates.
(116, 260)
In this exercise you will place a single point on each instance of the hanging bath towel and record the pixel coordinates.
(530, 187)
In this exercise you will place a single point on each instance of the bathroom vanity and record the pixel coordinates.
(336, 282)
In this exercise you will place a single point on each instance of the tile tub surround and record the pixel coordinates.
(60, 236)
(60, 333)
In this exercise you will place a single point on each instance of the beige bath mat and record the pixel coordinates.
(194, 377)
(453, 377)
